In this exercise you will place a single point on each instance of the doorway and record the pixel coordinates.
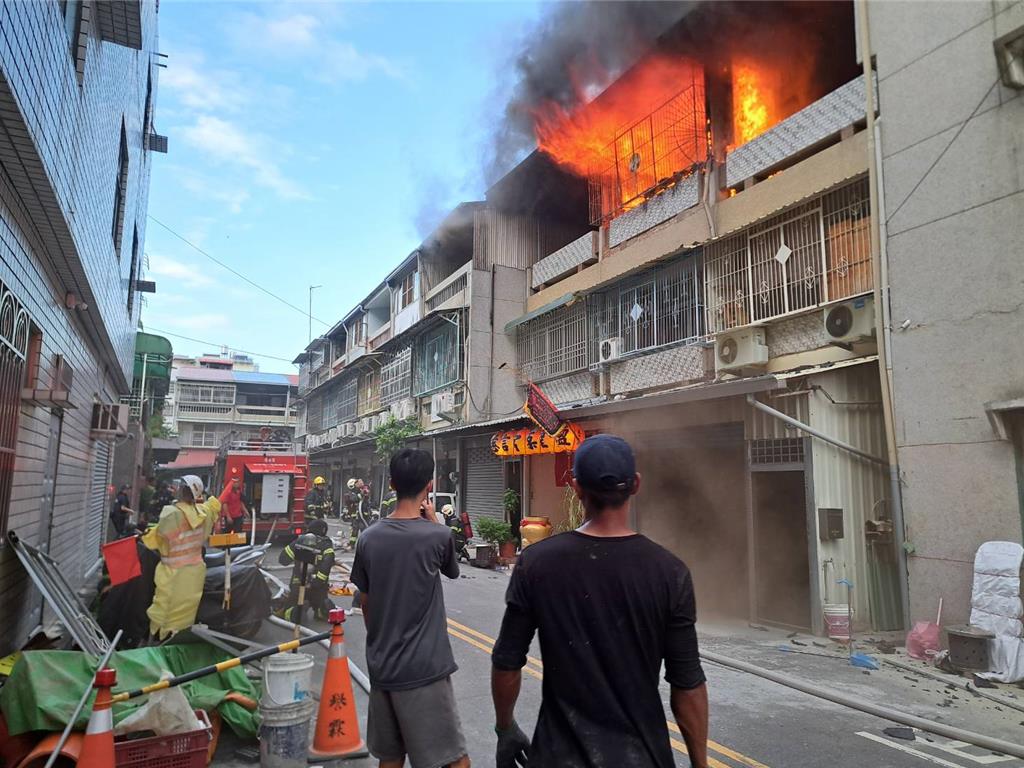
(781, 564)
(514, 482)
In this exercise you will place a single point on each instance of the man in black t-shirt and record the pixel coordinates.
(610, 606)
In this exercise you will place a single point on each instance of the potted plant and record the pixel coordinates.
(498, 534)
(510, 501)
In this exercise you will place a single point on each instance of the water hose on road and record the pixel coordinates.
(357, 674)
(853, 702)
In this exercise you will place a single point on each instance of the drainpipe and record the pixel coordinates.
(882, 323)
(758, 405)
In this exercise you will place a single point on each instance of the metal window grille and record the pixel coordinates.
(314, 414)
(330, 408)
(437, 358)
(553, 344)
(672, 139)
(449, 291)
(348, 397)
(369, 391)
(663, 306)
(205, 436)
(396, 376)
(812, 254)
(219, 394)
(787, 450)
(14, 333)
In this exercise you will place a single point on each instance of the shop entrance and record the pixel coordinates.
(781, 565)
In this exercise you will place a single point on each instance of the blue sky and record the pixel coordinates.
(311, 143)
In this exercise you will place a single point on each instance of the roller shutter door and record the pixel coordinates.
(96, 522)
(485, 482)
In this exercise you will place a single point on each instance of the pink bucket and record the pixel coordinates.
(837, 621)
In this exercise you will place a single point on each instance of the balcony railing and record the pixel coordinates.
(382, 337)
(565, 260)
(450, 293)
(235, 414)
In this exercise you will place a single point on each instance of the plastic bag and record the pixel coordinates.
(166, 713)
(923, 640)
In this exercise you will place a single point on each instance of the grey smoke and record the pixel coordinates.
(577, 46)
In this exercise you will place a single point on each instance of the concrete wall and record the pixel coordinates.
(954, 252)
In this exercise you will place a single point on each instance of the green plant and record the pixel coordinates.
(572, 511)
(390, 436)
(510, 500)
(494, 531)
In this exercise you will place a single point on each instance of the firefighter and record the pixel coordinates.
(316, 550)
(357, 508)
(318, 501)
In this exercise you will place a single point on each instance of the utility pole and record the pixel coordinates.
(311, 289)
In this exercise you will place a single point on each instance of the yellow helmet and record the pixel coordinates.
(318, 480)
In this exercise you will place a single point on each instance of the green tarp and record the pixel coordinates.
(45, 686)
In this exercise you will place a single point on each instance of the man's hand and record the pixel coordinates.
(513, 746)
(427, 511)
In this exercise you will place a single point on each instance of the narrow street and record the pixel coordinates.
(755, 723)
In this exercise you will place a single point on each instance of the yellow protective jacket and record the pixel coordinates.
(179, 537)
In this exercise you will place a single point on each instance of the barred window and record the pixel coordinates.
(314, 414)
(14, 341)
(205, 436)
(810, 255)
(396, 376)
(437, 358)
(347, 397)
(219, 394)
(369, 391)
(553, 344)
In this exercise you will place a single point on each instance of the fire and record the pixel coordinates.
(648, 126)
(751, 113)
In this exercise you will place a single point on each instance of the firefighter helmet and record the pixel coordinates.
(194, 485)
(351, 483)
(318, 480)
(319, 527)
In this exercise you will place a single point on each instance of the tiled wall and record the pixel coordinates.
(683, 195)
(76, 132)
(797, 334)
(569, 389)
(675, 365)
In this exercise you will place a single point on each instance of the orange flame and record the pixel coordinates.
(752, 114)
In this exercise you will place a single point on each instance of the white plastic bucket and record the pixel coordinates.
(837, 621)
(284, 734)
(287, 678)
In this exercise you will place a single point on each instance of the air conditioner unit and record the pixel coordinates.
(850, 321)
(109, 419)
(442, 404)
(609, 350)
(348, 429)
(366, 424)
(404, 409)
(740, 349)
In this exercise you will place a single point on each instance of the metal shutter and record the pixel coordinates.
(96, 521)
(485, 483)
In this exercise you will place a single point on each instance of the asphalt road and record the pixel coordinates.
(754, 723)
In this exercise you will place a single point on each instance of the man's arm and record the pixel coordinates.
(450, 563)
(505, 685)
(690, 707)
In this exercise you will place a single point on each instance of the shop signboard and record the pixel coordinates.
(529, 442)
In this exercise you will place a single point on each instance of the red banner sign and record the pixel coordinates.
(542, 411)
(528, 442)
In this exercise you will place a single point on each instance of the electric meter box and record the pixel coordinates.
(830, 523)
(275, 494)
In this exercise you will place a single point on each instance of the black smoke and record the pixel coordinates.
(577, 47)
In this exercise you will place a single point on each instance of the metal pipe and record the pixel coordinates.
(357, 674)
(81, 703)
(853, 702)
(755, 403)
(882, 323)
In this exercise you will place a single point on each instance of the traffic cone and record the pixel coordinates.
(337, 725)
(98, 743)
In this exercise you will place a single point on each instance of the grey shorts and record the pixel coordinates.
(420, 723)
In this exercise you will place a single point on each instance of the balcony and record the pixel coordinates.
(383, 336)
(120, 22)
(565, 260)
(257, 415)
(450, 293)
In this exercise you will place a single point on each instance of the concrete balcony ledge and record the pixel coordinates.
(565, 260)
(452, 292)
(685, 194)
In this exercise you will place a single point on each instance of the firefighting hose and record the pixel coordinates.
(221, 666)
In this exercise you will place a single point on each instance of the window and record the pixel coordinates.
(347, 398)
(396, 377)
(120, 191)
(133, 270)
(437, 357)
(315, 415)
(72, 11)
(219, 394)
(205, 436)
(553, 344)
(357, 334)
(14, 346)
(369, 391)
(147, 118)
(407, 294)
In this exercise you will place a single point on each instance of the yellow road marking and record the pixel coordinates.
(491, 640)
(747, 762)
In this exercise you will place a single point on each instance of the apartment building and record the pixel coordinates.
(212, 403)
(77, 90)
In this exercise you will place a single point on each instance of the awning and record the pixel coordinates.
(189, 458)
(561, 301)
(265, 468)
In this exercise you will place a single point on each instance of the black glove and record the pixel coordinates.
(512, 749)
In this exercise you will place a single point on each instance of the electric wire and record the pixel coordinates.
(216, 344)
(236, 273)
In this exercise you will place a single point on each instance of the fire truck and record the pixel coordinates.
(275, 477)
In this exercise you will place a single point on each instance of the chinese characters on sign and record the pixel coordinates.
(542, 411)
(527, 442)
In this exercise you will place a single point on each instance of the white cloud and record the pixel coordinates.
(227, 143)
(298, 29)
(198, 87)
(169, 268)
(343, 61)
(233, 196)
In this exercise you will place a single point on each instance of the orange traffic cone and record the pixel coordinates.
(337, 725)
(98, 744)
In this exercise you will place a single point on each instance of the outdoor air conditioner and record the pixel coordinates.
(740, 349)
(404, 409)
(610, 349)
(366, 424)
(348, 429)
(441, 406)
(850, 321)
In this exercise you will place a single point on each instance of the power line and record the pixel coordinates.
(216, 344)
(235, 272)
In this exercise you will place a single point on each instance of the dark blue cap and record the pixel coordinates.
(604, 463)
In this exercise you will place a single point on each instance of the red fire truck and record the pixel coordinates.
(275, 478)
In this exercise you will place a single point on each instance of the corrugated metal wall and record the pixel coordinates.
(96, 512)
(485, 480)
(517, 241)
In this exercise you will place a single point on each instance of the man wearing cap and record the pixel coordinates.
(610, 606)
